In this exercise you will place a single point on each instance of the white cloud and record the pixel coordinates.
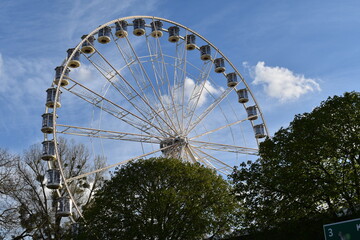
(191, 88)
(209, 89)
(282, 83)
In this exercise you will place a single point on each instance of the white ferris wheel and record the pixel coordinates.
(145, 86)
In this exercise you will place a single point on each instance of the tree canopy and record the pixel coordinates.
(308, 169)
(160, 198)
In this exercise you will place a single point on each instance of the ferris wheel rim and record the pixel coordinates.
(55, 124)
(186, 28)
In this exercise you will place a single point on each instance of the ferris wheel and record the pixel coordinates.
(142, 87)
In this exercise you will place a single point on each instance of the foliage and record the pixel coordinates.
(160, 198)
(31, 204)
(311, 168)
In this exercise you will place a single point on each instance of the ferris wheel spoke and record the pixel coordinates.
(189, 154)
(204, 159)
(132, 96)
(106, 134)
(211, 107)
(110, 76)
(113, 109)
(176, 89)
(219, 128)
(194, 157)
(166, 119)
(224, 147)
(116, 164)
(197, 92)
(142, 84)
(213, 161)
(181, 81)
(112, 79)
(161, 74)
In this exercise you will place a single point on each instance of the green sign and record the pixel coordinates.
(346, 230)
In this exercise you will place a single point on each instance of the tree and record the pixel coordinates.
(32, 204)
(160, 198)
(8, 219)
(307, 171)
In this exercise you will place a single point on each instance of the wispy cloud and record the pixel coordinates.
(281, 83)
(22, 97)
(85, 14)
(20, 76)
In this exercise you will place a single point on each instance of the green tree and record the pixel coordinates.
(308, 170)
(161, 198)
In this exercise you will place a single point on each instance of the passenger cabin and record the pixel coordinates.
(139, 27)
(74, 62)
(242, 95)
(88, 45)
(156, 27)
(190, 42)
(50, 98)
(174, 34)
(47, 123)
(48, 153)
(205, 52)
(231, 79)
(65, 80)
(219, 65)
(64, 206)
(259, 131)
(104, 35)
(121, 29)
(252, 113)
(54, 180)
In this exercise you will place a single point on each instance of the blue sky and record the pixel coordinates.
(294, 54)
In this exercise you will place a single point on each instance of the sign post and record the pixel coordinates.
(346, 230)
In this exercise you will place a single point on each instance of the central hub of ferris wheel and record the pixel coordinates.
(174, 147)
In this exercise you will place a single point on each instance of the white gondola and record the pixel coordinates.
(53, 177)
(139, 27)
(205, 52)
(47, 123)
(156, 27)
(174, 34)
(242, 95)
(75, 60)
(190, 42)
(50, 98)
(219, 65)
(88, 46)
(231, 79)
(121, 29)
(259, 131)
(252, 113)
(64, 206)
(104, 35)
(48, 153)
(65, 80)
